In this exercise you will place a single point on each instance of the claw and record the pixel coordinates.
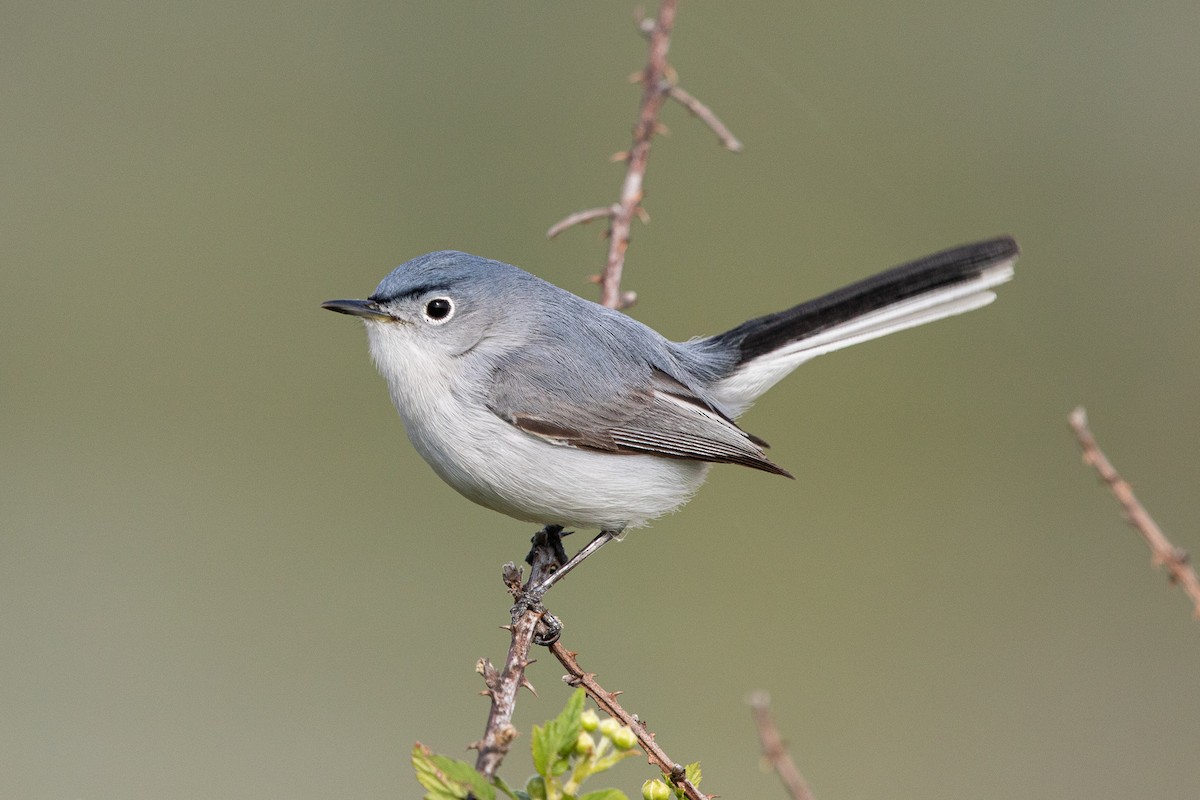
(548, 631)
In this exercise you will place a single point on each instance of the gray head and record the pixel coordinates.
(446, 302)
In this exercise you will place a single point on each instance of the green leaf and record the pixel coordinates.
(448, 779)
(605, 794)
(553, 742)
(569, 723)
(542, 746)
(515, 794)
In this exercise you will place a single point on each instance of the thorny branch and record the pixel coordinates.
(1164, 553)
(532, 623)
(658, 84)
(503, 685)
(774, 751)
(607, 701)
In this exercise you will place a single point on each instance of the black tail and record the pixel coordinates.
(940, 270)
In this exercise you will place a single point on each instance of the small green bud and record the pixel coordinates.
(535, 787)
(624, 738)
(584, 744)
(655, 790)
(590, 719)
(608, 727)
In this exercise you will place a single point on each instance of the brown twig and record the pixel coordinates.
(653, 94)
(774, 751)
(503, 685)
(1164, 553)
(607, 701)
(707, 116)
(582, 218)
(658, 84)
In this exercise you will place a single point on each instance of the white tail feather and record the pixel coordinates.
(738, 391)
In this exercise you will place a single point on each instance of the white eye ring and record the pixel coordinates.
(438, 311)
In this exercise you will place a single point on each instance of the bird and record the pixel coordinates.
(551, 409)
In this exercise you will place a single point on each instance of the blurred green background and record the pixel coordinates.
(225, 574)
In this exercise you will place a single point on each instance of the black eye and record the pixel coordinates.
(439, 309)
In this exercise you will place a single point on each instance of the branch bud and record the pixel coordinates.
(655, 789)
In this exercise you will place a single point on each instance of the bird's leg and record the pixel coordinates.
(595, 544)
(550, 564)
(545, 556)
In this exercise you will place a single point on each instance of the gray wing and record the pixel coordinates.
(650, 413)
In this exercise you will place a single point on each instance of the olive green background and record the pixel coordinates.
(225, 574)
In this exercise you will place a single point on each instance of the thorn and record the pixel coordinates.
(618, 157)
(636, 77)
(643, 215)
(525, 683)
(661, 129)
(594, 279)
(476, 745)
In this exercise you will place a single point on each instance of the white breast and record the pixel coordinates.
(500, 467)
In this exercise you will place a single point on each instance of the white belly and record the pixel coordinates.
(499, 466)
(505, 469)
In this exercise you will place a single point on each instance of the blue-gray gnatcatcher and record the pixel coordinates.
(552, 409)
